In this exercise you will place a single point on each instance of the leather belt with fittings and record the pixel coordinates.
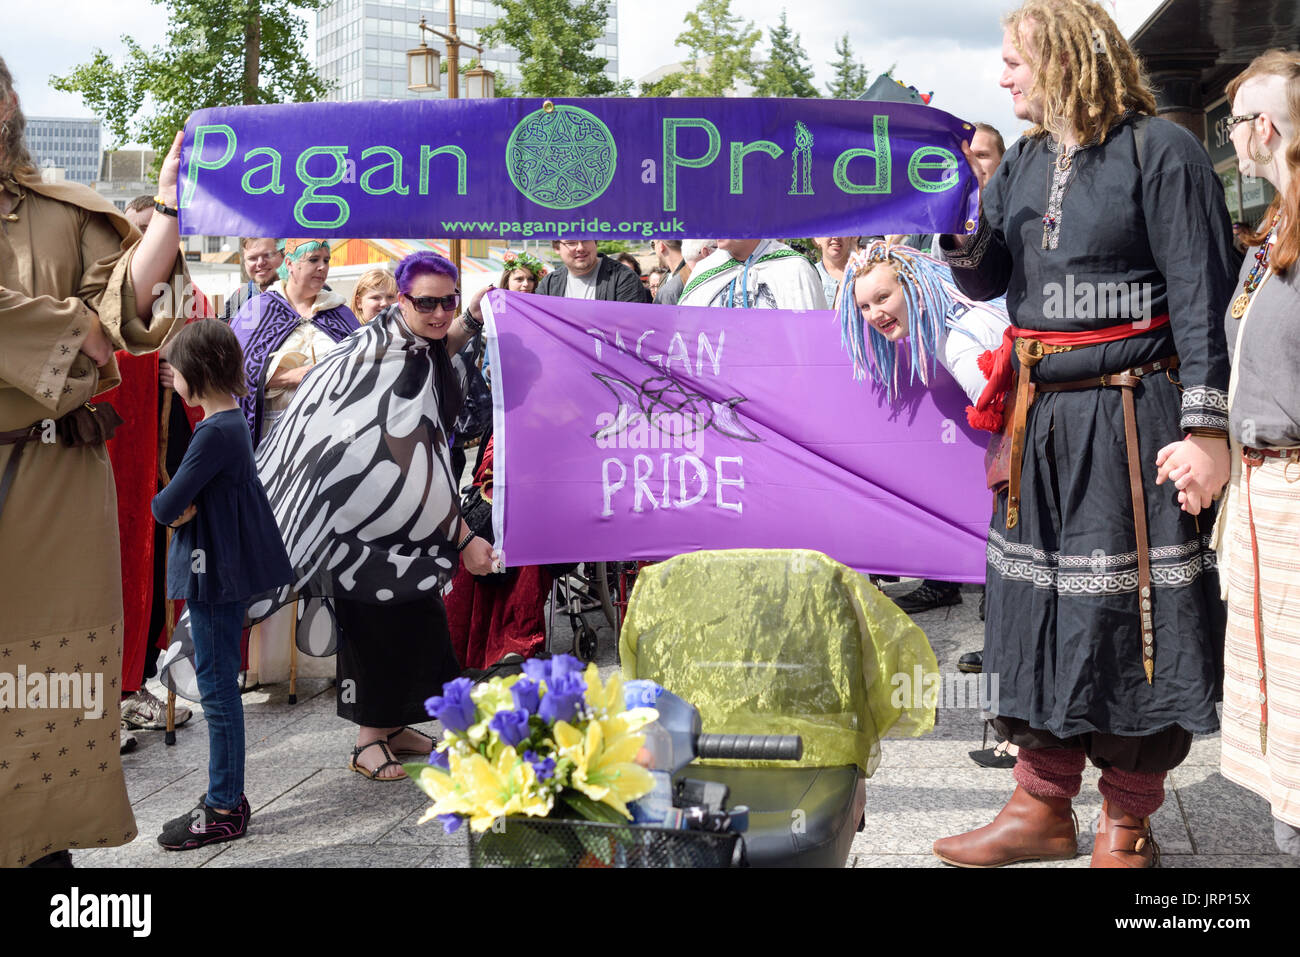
(1029, 352)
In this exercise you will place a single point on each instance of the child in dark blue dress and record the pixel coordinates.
(226, 548)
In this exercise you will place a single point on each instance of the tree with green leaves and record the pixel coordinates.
(850, 79)
(217, 53)
(555, 40)
(666, 85)
(787, 72)
(721, 49)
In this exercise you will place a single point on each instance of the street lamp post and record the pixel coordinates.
(423, 73)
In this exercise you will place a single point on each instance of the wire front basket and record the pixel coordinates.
(552, 842)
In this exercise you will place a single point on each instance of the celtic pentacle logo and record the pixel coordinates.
(561, 159)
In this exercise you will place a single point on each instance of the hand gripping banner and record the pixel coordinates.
(627, 431)
(590, 168)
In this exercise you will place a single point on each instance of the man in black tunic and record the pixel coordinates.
(1107, 230)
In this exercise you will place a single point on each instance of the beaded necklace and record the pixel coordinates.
(1256, 275)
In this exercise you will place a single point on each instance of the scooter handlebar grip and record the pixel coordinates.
(750, 747)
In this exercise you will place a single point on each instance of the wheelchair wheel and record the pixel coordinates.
(585, 642)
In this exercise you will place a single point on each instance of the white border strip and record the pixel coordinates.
(499, 484)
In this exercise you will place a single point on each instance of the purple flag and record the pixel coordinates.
(628, 431)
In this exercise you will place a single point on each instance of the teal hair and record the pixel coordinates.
(303, 250)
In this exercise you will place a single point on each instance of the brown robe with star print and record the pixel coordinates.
(64, 252)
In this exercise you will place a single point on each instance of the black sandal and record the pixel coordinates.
(374, 775)
(433, 742)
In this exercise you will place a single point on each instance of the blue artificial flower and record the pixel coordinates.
(440, 760)
(450, 822)
(538, 669)
(564, 695)
(549, 669)
(512, 726)
(545, 770)
(565, 665)
(527, 696)
(453, 707)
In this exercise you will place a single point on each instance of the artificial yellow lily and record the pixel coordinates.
(606, 702)
(508, 786)
(448, 795)
(604, 768)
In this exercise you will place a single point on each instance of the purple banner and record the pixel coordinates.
(593, 168)
(640, 432)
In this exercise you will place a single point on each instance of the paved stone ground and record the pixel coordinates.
(309, 810)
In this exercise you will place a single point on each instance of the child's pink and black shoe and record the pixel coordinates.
(203, 826)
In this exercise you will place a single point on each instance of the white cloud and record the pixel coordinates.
(951, 47)
(35, 47)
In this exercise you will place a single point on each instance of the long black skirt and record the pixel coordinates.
(1062, 632)
(391, 658)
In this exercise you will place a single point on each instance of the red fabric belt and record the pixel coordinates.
(987, 413)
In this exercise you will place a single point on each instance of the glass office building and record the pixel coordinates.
(73, 145)
(361, 46)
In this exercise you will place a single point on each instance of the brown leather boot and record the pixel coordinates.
(1029, 828)
(1123, 840)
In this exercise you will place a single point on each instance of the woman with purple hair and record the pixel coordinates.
(357, 471)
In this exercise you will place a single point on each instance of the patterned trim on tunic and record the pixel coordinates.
(734, 263)
(970, 258)
(1204, 407)
(1172, 566)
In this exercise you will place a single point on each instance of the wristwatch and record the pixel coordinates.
(163, 208)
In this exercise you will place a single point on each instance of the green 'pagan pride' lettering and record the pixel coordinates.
(738, 153)
(197, 162)
(274, 186)
(571, 139)
(394, 165)
(881, 154)
(945, 160)
(387, 176)
(672, 159)
(309, 195)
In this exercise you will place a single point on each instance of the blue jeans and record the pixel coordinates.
(215, 630)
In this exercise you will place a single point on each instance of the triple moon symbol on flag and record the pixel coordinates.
(677, 412)
(562, 159)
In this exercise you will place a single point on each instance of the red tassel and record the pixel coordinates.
(990, 420)
(985, 362)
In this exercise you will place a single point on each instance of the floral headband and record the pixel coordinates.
(532, 264)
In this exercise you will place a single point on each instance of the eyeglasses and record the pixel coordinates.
(1232, 122)
(431, 303)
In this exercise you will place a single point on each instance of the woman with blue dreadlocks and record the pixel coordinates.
(899, 301)
(905, 302)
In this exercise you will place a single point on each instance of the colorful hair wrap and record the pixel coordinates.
(930, 294)
(295, 249)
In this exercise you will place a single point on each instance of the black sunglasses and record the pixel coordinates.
(430, 303)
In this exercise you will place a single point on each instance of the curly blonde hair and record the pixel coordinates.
(13, 128)
(1286, 64)
(1085, 73)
